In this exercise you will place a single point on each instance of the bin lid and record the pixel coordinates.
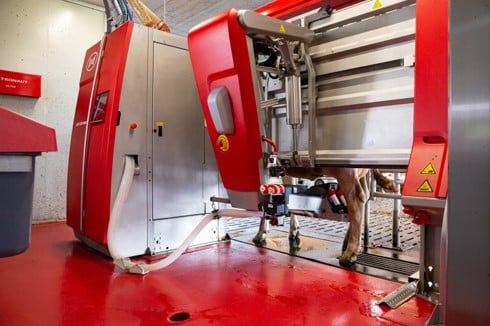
(20, 134)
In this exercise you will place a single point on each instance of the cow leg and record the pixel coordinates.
(294, 239)
(354, 192)
(346, 238)
(260, 237)
(364, 198)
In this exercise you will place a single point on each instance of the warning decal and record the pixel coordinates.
(377, 4)
(282, 29)
(425, 187)
(429, 169)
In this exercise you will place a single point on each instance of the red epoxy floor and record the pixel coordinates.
(57, 281)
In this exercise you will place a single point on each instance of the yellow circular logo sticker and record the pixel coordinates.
(223, 143)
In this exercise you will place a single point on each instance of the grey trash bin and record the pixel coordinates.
(21, 140)
(16, 192)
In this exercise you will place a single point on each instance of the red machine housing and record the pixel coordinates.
(90, 167)
(427, 169)
(285, 9)
(238, 154)
(427, 174)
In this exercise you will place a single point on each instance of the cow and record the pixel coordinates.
(356, 192)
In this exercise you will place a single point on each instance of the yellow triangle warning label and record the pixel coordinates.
(377, 4)
(425, 187)
(429, 169)
(282, 29)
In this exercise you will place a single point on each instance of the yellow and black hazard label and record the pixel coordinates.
(377, 4)
(429, 169)
(425, 187)
(282, 29)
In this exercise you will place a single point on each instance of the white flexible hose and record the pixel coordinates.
(143, 268)
(116, 211)
(115, 217)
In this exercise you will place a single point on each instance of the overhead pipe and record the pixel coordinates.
(114, 15)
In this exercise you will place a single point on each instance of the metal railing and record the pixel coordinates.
(396, 207)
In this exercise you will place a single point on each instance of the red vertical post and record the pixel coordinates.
(427, 168)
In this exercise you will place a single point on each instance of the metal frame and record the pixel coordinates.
(363, 75)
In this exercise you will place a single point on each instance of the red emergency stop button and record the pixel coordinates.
(133, 125)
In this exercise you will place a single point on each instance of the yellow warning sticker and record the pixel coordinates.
(282, 29)
(425, 187)
(377, 4)
(159, 123)
(429, 169)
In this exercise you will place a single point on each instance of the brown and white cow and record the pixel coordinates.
(356, 191)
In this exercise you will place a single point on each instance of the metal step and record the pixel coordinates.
(389, 264)
(400, 295)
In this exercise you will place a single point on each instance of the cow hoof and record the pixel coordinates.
(259, 240)
(293, 236)
(295, 243)
(347, 262)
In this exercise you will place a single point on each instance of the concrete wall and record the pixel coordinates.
(49, 38)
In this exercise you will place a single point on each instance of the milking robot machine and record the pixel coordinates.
(331, 87)
(140, 169)
(295, 83)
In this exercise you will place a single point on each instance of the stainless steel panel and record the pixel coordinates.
(177, 172)
(170, 233)
(359, 60)
(178, 148)
(358, 12)
(467, 296)
(134, 106)
(374, 37)
(305, 203)
(355, 136)
(365, 83)
(389, 86)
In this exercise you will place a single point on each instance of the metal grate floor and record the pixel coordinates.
(388, 264)
(380, 230)
(322, 239)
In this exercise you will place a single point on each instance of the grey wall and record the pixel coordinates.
(49, 38)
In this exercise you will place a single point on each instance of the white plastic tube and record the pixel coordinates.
(143, 268)
(116, 211)
(115, 218)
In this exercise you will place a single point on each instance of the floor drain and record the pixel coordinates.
(179, 316)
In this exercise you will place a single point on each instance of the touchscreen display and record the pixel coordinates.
(100, 108)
